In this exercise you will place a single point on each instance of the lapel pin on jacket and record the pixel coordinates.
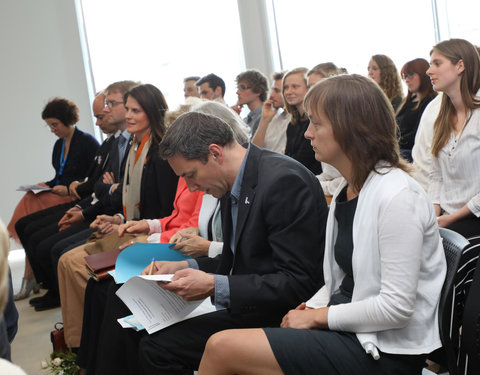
(247, 201)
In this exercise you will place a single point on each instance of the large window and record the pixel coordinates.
(349, 32)
(161, 42)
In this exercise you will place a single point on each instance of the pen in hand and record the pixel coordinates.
(151, 266)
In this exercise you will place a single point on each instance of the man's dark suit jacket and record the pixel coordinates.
(280, 236)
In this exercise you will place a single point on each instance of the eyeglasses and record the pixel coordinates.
(408, 75)
(243, 87)
(111, 103)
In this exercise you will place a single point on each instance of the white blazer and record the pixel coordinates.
(398, 267)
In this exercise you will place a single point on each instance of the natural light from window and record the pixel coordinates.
(162, 42)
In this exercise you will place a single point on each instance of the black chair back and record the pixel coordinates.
(461, 256)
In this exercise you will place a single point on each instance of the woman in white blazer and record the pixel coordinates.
(384, 264)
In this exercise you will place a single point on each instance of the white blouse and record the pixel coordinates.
(455, 174)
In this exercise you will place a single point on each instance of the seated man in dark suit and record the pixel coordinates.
(273, 218)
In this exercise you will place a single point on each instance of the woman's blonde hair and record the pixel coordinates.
(363, 122)
(390, 80)
(4, 248)
(456, 50)
(291, 109)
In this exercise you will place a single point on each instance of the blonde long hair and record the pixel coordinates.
(291, 109)
(456, 50)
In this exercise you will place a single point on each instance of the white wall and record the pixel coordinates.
(41, 57)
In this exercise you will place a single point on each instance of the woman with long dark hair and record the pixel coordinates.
(420, 93)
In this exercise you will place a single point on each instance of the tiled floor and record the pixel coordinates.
(32, 343)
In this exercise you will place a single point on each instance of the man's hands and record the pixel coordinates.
(268, 110)
(192, 244)
(72, 216)
(73, 189)
(191, 284)
(165, 267)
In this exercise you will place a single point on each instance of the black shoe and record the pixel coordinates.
(48, 301)
(35, 300)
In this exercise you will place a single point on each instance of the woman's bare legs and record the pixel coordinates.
(239, 351)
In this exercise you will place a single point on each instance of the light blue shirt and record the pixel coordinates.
(222, 287)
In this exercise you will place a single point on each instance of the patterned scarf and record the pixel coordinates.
(133, 177)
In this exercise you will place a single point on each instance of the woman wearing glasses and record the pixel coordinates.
(383, 71)
(420, 93)
(454, 179)
(72, 156)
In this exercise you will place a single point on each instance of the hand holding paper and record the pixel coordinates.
(191, 284)
(165, 267)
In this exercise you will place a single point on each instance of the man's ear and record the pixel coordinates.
(218, 92)
(216, 152)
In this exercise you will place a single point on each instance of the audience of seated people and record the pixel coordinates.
(255, 223)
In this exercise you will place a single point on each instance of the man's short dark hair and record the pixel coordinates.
(213, 81)
(277, 75)
(191, 78)
(192, 133)
(256, 80)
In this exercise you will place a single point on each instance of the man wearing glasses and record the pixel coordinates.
(252, 91)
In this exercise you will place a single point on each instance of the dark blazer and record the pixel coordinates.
(83, 147)
(158, 188)
(280, 236)
(97, 168)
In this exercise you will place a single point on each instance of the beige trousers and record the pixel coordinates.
(72, 282)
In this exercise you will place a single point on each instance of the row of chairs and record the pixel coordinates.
(459, 312)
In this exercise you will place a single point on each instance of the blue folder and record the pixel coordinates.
(133, 260)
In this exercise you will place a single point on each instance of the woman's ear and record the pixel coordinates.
(460, 66)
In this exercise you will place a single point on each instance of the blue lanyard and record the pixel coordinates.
(62, 163)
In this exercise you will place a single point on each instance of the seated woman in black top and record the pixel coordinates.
(298, 147)
(420, 93)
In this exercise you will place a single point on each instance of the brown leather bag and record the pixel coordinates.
(58, 339)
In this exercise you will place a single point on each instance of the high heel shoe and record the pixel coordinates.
(28, 285)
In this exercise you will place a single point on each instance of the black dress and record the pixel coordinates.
(299, 148)
(408, 119)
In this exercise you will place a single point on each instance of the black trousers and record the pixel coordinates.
(177, 349)
(93, 311)
(467, 227)
(32, 223)
(40, 253)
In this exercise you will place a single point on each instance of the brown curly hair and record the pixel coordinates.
(390, 81)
